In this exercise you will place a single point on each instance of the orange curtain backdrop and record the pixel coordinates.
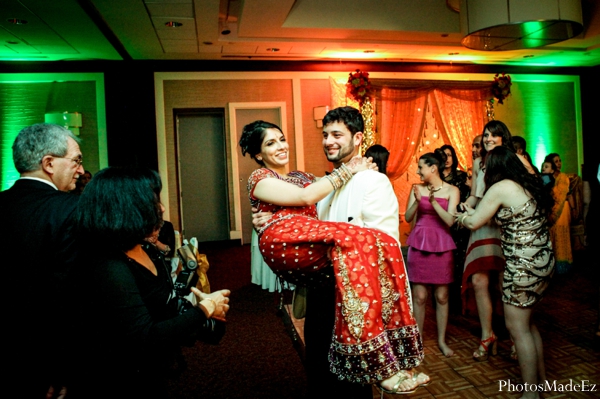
(463, 115)
(403, 115)
(458, 106)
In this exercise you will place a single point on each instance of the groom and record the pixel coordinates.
(366, 200)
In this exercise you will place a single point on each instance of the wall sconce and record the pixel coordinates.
(319, 113)
(70, 120)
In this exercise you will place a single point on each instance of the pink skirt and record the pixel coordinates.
(430, 267)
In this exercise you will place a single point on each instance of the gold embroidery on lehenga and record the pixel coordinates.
(388, 296)
(353, 309)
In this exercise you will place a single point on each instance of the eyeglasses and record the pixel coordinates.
(78, 160)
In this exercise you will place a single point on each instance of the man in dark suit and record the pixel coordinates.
(37, 222)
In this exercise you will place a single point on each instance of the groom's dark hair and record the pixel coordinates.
(349, 116)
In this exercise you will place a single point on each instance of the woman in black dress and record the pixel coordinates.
(133, 323)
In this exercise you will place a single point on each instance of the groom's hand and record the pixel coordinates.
(259, 219)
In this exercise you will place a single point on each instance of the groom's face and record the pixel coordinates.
(339, 144)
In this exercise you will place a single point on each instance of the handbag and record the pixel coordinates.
(193, 270)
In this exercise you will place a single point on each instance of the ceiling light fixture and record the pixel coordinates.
(173, 24)
(516, 24)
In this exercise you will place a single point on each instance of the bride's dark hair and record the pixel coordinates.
(252, 138)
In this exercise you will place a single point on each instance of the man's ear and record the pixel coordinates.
(358, 138)
(48, 164)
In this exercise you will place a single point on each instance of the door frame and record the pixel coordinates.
(236, 233)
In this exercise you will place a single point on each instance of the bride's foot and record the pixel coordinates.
(422, 379)
(445, 349)
(400, 383)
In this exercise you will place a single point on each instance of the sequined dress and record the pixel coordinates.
(430, 253)
(375, 333)
(528, 251)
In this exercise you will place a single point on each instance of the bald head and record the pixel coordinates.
(476, 146)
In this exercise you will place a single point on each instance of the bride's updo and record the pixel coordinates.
(253, 135)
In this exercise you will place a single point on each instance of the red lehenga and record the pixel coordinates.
(375, 334)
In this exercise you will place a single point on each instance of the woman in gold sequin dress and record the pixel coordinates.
(519, 204)
(376, 338)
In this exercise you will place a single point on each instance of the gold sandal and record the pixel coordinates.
(416, 376)
(402, 377)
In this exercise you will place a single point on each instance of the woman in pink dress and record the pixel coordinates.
(431, 247)
(376, 339)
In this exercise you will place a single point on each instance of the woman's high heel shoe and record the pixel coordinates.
(489, 345)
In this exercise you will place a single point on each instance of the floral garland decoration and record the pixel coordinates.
(501, 87)
(358, 87)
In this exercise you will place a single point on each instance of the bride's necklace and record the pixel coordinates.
(433, 190)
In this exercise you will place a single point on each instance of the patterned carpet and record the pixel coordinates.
(258, 358)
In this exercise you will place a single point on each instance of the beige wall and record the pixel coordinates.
(315, 93)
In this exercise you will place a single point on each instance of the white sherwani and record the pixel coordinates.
(367, 200)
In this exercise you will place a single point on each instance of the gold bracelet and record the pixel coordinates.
(339, 176)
